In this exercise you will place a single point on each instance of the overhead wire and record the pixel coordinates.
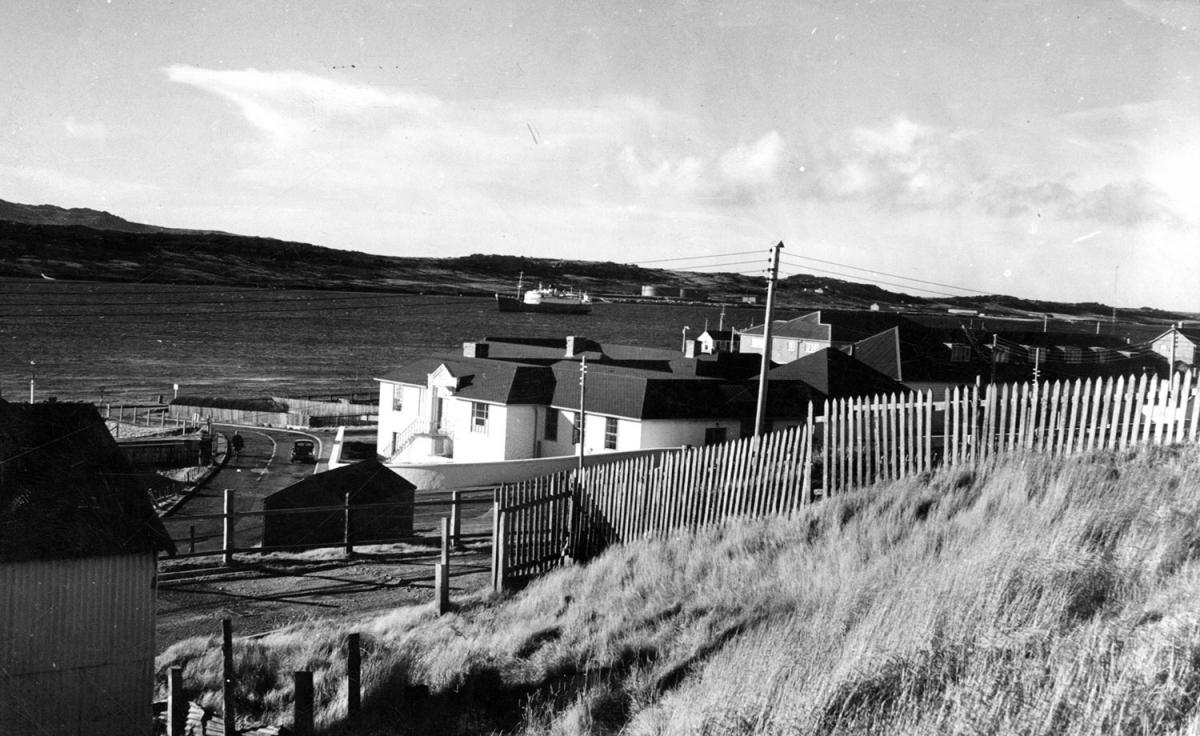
(792, 256)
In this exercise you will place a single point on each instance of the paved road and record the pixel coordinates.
(263, 467)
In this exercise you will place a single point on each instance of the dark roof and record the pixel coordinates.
(484, 379)
(835, 374)
(367, 481)
(648, 395)
(67, 490)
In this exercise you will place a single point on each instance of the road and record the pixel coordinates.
(263, 467)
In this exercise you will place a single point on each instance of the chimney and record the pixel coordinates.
(475, 350)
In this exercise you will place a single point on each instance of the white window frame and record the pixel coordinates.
(480, 415)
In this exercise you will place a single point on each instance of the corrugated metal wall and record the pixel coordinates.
(77, 645)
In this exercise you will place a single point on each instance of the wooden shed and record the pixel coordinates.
(380, 508)
(78, 547)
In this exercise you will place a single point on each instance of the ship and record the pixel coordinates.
(545, 299)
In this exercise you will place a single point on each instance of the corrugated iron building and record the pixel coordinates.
(78, 547)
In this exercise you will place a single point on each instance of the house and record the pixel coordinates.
(934, 358)
(808, 333)
(512, 399)
(716, 341)
(366, 482)
(1178, 344)
(78, 547)
(825, 374)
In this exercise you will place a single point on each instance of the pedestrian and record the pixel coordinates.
(237, 442)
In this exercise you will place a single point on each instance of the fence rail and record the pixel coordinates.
(853, 442)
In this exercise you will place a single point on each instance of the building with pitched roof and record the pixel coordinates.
(825, 328)
(1179, 344)
(78, 546)
(514, 398)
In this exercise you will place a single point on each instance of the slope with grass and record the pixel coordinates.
(1031, 596)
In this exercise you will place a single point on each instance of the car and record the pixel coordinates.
(302, 451)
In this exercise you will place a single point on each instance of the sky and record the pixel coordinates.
(1040, 149)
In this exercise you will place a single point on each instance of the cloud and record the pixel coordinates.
(93, 132)
(289, 105)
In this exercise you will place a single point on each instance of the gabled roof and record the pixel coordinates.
(835, 374)
(647, 395)
(67, 490)
(483, 379)
(834, 325)
(366, 481)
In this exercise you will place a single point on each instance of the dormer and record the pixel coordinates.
(443, 381)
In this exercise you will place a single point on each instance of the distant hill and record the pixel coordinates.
(87, 244)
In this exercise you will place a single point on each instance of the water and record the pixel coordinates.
(132, 343)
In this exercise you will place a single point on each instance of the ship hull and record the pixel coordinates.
(510, 304)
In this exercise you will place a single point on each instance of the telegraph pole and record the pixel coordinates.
(582, 394)
(760, 412)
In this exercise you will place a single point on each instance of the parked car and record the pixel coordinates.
(302, 451)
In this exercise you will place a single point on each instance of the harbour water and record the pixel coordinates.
(135, 342)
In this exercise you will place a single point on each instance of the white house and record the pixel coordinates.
(513, 400)
(1178, 343)
(78, 546)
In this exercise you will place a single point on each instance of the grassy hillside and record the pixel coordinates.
(1035, 596)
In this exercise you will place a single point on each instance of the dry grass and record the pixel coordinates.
(1034, 596)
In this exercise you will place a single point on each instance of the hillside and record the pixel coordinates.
(85, 244)
(1033, 596)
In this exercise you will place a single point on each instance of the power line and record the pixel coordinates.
(875, 282)
(885, 273)
(694, 258)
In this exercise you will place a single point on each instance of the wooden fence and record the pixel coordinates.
(854, 442)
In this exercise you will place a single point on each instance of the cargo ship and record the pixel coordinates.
(544, 299)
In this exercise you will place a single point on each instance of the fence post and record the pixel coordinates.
(346, 526)
(229, 682)
(455, 518)
(445, 535)
(353, 675)
(498, 556)
(230, 524)
(177, 706)
(302, 714)
(441, 586)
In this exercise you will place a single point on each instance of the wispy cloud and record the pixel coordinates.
(93, 132)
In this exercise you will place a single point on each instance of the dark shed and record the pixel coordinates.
(367, 482)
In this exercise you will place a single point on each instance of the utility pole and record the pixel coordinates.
(760, 412)
(582, 394)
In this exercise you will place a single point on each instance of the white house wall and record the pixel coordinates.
(676, 432)
(77, 645)
(392, 422)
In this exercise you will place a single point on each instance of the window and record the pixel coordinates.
(959, 353)
(575, 438)
(479, 417)
(610, 433)
(714, 435)
(397, 398)
(1072, 354)
(550, 431)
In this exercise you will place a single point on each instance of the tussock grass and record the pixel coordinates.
(1029, 596)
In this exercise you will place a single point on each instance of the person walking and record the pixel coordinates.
(237, 443)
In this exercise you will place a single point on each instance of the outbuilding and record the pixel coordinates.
(388, 516)
(78, 546)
